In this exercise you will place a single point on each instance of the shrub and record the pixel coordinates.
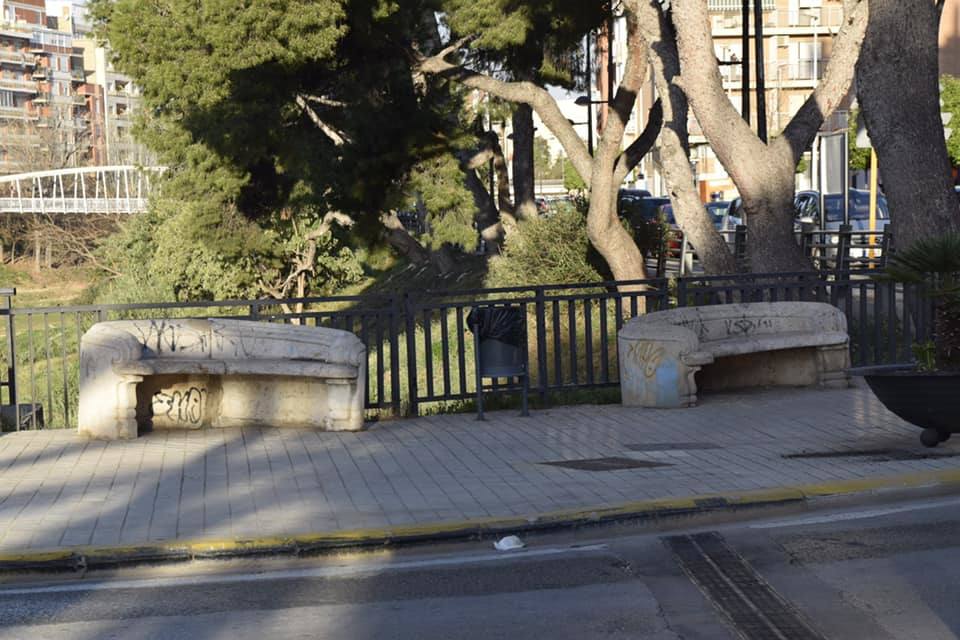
(550, 250)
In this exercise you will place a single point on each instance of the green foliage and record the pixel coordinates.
(571, 179)
(545, 251)
(951, 103)
(859, 158)
(544, 164)
(437, 185)
(925, 355)
(934, 264)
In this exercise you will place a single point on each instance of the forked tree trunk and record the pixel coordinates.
(398, 238)
(688, 209)
(763, 173)
(900, 51)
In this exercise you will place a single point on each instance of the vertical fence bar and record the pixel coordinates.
(461, 350)
(63, 366)
(428, 350)
(557, 349)
(49, 374)
(877, 319)
(862, 351)
(381, 365)
(541, 312)
(33, 376)
(411, 354)
(604, 341)
(681, 292)
(572, 329)
(445, 350)
(395, 354)
(12, 355)
(588, 337)
(892, 321)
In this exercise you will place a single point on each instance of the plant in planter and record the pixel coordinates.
(927, 392)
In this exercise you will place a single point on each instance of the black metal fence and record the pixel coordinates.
(421, 353)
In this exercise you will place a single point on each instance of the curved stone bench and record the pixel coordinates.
(665, 354)
(220, 373)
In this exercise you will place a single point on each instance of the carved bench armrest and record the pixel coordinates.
(697, 358)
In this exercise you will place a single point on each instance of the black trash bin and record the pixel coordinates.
(500, 347)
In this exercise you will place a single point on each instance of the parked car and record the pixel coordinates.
(723, 218)
(807, 209)
(637, 209)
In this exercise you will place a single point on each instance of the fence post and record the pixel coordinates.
(740, 248)
(11, 351)
(681, 292)
(886, 244)
(541, 308)
(411, 318)
(394, 331)
(255, 310)
(806, 238)
(843, 247)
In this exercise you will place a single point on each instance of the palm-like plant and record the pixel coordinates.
(934, 264)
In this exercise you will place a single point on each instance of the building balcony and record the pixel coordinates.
(42, 98)
(78, 75)
(16, 58)
(18, 85)
(78, 100)
(786, 74)
(729, 21)
(41, 73)
(17, 113)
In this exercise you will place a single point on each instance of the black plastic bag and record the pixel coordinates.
(500, 323)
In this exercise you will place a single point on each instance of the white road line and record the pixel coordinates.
(338, 571)
(856, 515)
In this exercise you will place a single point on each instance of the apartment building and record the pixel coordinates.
(61, 102)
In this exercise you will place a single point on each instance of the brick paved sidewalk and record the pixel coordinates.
(59, 490)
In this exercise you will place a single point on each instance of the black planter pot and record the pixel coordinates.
(929, 400)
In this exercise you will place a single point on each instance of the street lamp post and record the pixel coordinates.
(585, 101)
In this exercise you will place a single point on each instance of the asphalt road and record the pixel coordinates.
(878, 571)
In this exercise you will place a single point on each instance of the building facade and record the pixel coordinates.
(61, 103)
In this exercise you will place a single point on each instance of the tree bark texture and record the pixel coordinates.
(897, 88)
(524, 198)
(692, 216)
(763, 173)
(488, 217)
(398, 238)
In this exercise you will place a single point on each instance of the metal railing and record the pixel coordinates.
(421, 353)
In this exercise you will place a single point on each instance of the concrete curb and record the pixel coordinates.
(88, 557)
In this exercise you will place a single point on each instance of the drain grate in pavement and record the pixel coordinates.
(872, 455)
(737, 591)
(606, 464)
(671, 446)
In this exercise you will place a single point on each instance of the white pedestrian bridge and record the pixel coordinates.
(81, 190)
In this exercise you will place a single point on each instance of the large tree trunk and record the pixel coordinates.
(525, 206)
(689, 211)
(488, 218)
(763, 173)
(897, 77)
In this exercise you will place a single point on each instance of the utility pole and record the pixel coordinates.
(745, 74)
(761, 88)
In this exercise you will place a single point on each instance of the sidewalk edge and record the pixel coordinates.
(85, 557)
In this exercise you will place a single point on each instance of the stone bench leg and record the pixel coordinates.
(109, 412)
(832, 364)
(653, 374)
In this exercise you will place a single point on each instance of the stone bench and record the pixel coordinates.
(665, 355)
(218, 373)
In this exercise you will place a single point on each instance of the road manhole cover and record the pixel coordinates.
(606, 464)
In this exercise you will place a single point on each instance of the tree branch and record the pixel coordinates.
(522, 92)
(633, 154)
(335, 136)
(837, 78)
